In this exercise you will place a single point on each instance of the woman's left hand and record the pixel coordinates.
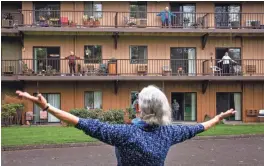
(226, 114)
(39, 100)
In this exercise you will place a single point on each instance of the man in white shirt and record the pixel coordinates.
(226, 63)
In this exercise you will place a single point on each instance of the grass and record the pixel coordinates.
(15, 136)
(234, 130)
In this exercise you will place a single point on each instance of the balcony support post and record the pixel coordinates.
(116, 86)
(21, 34)
(204, 86)
(115, 36)
(204, 40)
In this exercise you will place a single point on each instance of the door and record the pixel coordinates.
(54, 100)
(46, 56)
(185, 15)
(225, 101)
(187, 106)
(227, 15)
(184, 58)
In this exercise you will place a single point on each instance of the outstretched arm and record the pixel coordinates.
(110, 134)
(217, 119)
(42, 103)
(181, 133)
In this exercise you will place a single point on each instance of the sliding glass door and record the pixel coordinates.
(46, 57)
(54, 100)
(183, 106)
(183, 59)
(225, 101)
(227, 16)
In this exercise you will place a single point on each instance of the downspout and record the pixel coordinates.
(74, 100)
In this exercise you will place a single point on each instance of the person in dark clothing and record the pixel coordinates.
(72, 62)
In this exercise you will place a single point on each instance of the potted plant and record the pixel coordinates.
(91, 21)
(7, 20)
(96, 22)
(112, 66)
(72, 24)
(85, 20)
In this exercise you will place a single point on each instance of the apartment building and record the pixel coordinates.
(124, 46)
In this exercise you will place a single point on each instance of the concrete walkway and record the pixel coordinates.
(231, 151)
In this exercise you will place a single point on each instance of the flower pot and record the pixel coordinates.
(97, 23)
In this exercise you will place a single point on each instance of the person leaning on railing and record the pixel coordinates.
(146, 143)
(72, 61)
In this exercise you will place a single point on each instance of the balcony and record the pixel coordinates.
(129, 21)
(132, 69)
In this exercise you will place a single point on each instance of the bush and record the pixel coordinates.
(131, 113)
(84, 113)
(9, 111)
(113, 116)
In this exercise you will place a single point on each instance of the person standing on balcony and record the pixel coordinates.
(166, 17)
(226, 63)
(72, 62)
(145, 144)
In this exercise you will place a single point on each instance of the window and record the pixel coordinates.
(54, 100)
(45, 57)
(225, 101)
(46, 11)
(138, 54)
(92, 54)
(184, 59)
(138, 9)
(184, 107)
(93, 9)
(133, 97)
(227, 15)
(93, 99)
(185, 15)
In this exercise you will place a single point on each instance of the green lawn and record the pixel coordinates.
(234, 130)
(14, 136)
(42, 135)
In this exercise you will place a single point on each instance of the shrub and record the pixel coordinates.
(113, 116)
(9, 111)
(131, 113)
(84, 113)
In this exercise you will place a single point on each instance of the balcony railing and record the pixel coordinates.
(132, 67)
(87, 19)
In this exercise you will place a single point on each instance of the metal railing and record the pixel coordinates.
(88, 19)
(133, 67)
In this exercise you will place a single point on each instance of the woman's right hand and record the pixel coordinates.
(39, 100)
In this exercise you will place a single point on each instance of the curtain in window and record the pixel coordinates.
(237, 101)
(36, 113)
(54, 100)
(191, 63)
(98, 99)
(88, 100)
(193, 106)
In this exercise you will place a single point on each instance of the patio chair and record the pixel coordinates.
(237, 70)
(43, 116)
(216, 69)
(128, 21)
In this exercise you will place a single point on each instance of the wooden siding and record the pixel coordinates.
(72, 94)
(201, 7)
(158, 48)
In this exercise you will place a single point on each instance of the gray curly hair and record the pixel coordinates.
(154, 106)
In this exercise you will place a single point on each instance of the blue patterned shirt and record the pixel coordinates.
(139, 145)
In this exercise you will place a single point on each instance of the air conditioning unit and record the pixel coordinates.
(142, 23)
